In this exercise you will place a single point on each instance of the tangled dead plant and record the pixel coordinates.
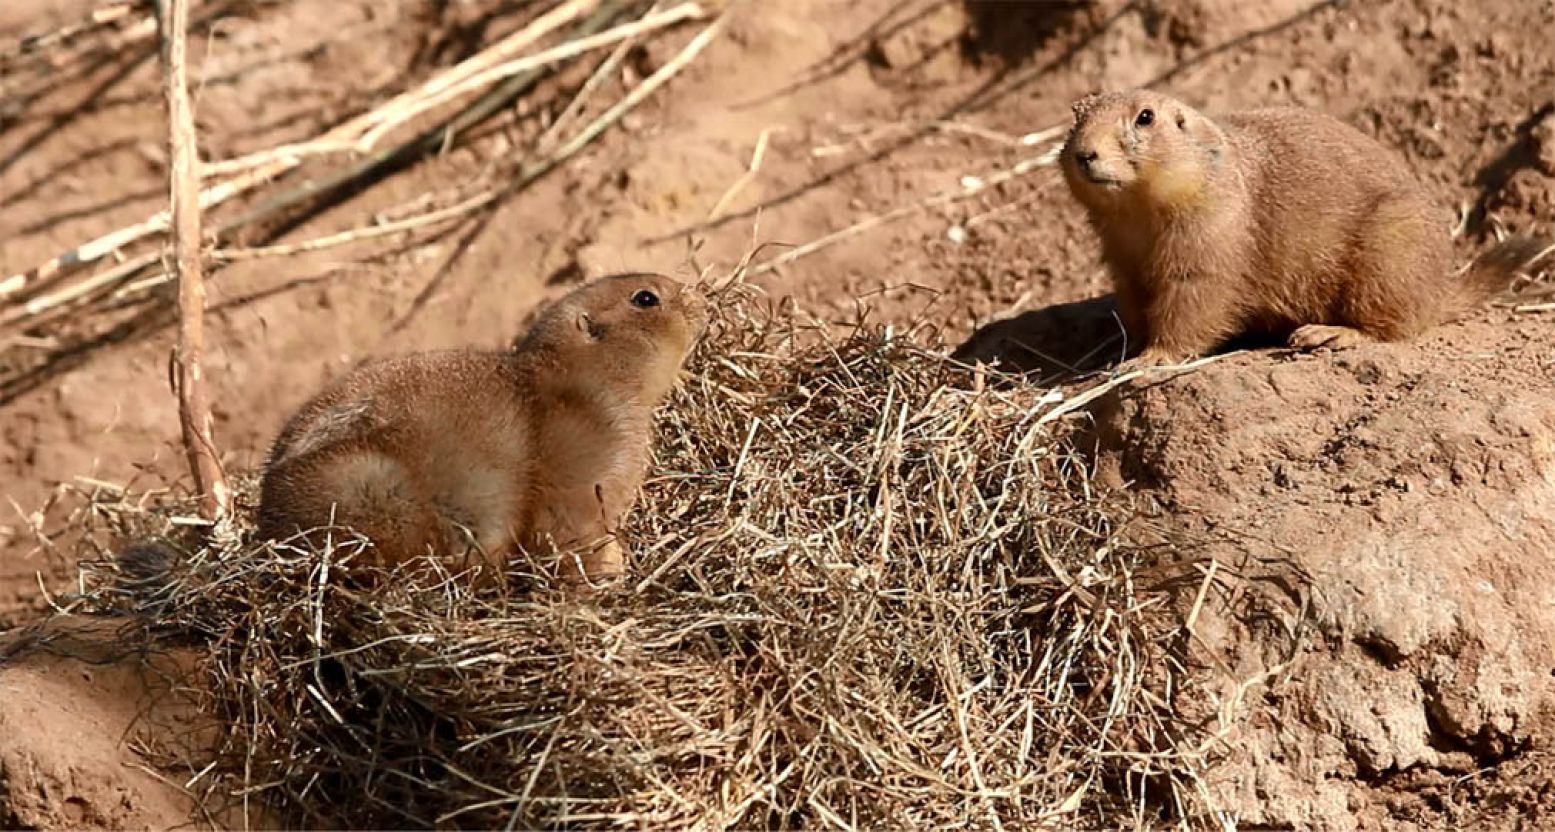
(867, 590)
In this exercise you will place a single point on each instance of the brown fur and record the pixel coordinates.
(1279, 221)
(463, 452)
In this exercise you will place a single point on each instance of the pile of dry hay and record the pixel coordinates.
(864, 593)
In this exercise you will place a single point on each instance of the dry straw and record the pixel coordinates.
(868, 590)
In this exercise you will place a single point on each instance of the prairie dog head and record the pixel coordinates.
(1141, 148)
(631, 332)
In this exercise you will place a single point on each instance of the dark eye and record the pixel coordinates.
(645, 299)
(1145, 118)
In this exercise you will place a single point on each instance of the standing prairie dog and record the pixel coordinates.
(462, 452)
(1279, 221)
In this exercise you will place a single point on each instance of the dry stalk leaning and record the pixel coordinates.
(194, 409)
(361, 134)
(552, 154)
(72, 299)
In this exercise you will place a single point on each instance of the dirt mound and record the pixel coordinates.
(1404, 495)
(79, 719)
(867, 107)
(831, 613)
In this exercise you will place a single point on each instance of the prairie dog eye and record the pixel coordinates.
(1145, 118)
(645, 299)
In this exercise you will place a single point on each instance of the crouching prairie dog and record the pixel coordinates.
(1277, 221)
(468, 454)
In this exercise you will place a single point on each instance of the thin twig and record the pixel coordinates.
(431, 140)
(638, 94)
(98, 18)
(971, 186)
(353, 235)
(346, 137)
(359, 234)
(571, 49)
(194, 411)
(532, 172)
(757, 155)
(546, 144)
(44, 308)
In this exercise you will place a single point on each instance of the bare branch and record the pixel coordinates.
(194, 411)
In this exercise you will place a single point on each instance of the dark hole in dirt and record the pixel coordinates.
(1013, 31)
(1052, 342)
(1055, 343)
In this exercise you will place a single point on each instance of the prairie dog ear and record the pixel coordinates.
(590, 328)
(1082, 107)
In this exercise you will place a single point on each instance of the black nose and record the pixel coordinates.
(1085, 157)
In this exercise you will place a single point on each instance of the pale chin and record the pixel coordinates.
(1106, 183)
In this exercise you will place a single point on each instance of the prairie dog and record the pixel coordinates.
(466, 452)
(1279, 221)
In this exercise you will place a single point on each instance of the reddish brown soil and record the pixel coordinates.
(83, 719)
(1463, 91)
(1397, 501)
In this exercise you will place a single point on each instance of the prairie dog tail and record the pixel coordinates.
(147, 561)
(148, 569)
(1494, 271)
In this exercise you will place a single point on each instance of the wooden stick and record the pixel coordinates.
(194, 410)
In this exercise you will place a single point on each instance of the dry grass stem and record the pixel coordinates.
(356, 235)
(757, 155)
(970, 186)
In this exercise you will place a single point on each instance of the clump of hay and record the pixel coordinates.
(866, 590)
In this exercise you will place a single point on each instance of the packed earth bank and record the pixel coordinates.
(1376, 526)
(1384, 519)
